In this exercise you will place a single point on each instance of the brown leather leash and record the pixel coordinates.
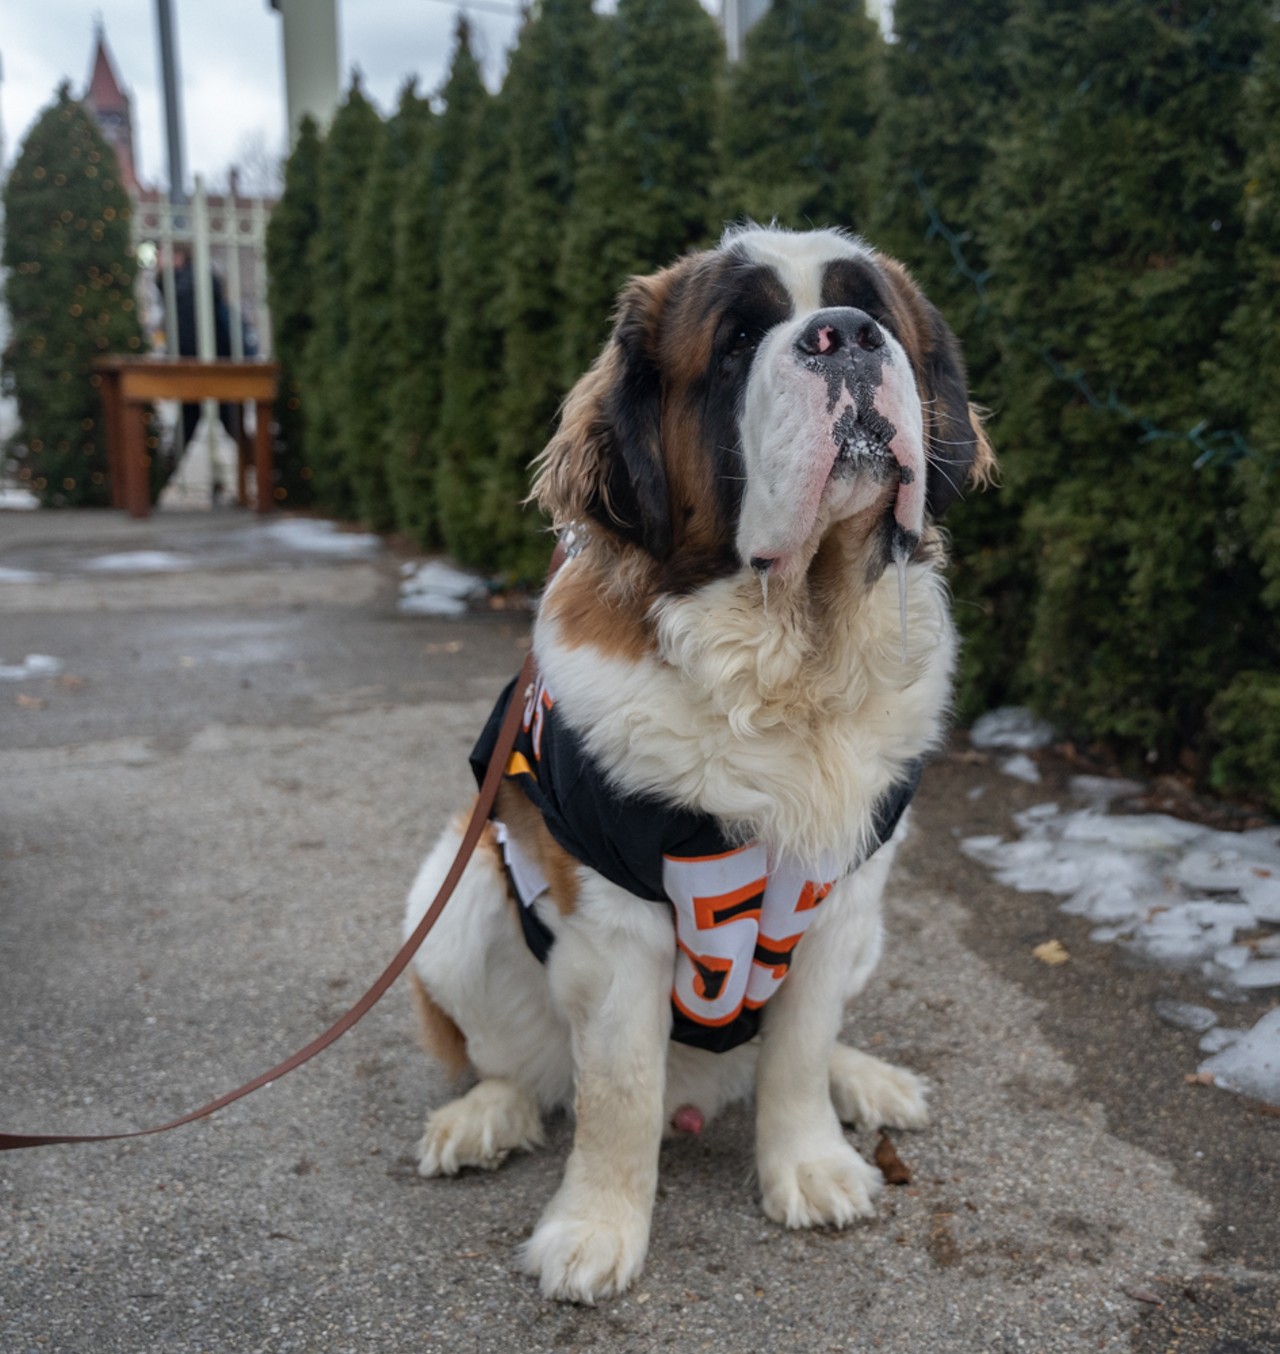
(10, 1142)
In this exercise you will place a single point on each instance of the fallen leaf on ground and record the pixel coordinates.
(30, 702)
(1144, 1295)
(1052, 952)
(892, 1167)
(1199, 1078)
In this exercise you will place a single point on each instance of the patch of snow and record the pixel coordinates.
(1103, 789)
(1172, 892)
(18, 576)
(1263, 895)
(1250, 1065)
(1186, 1016)
(1227, 869)
(34, 665)
(315, 536)
(1257, 973)
(18, 500)
(1131, 832)
(1021, 767)
(1218, 1039)
(1011, 727)
(436, 588)
(139, 562)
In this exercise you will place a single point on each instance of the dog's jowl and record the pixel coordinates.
(741, 666)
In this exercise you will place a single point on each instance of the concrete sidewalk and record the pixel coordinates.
(208, 821)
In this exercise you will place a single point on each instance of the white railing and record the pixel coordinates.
(227, 235)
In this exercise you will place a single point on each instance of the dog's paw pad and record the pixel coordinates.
(479, 1130)
(828, 1191)
(874, 1094)
(585, 1258)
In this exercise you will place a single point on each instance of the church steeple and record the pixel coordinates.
(111, 107)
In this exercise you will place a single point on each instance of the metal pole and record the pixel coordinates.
(167, 238)
(172, 108)
(206, 333)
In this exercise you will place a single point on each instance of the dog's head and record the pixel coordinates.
(755, 397)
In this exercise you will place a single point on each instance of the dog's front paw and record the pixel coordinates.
(828, 1185)
(481, 1129)
(586, 1249)
(874, 1094)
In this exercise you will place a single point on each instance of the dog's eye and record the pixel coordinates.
(742, 338)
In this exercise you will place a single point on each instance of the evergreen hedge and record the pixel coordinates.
(1089, 191)
(69, 291)
(373, 363)
(347, 155)
(291, 301)
(798, 114)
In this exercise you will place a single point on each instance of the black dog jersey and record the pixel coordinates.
(737, 919)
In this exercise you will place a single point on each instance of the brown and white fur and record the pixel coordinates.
(728, 638)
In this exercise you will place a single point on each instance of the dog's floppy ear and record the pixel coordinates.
(957, 449)
(605, 461)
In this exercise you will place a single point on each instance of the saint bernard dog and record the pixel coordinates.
(741, 665)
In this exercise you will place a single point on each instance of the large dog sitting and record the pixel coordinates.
(741, 665)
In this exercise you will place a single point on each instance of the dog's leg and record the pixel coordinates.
(810, 1176)
(484, 1001)
(875, 1094)
(611, 970)
(481, 1128)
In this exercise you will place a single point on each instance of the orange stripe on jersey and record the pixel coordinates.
(709, 911)
(811, 895)
(700, 860)
(701, 1018)
(518, 765)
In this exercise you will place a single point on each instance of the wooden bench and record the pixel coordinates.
(129, 384)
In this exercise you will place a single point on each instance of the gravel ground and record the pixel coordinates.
(208, 821)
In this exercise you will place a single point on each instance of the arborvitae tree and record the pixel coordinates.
(344, 166)
(470, 290)
(642, 195)
(1246, 716)
(947, 92)
(418, 317)
(291, 299)
(797, 117)
(1115, 223)
(547, 94)
(69, 291)
(372, 360)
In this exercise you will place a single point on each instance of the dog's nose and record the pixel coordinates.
(840, 333)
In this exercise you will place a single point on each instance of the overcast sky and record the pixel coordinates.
(229, 64)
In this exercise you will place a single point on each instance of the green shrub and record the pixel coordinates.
(1245, 725)
(347, 155)
(70, 294)
(291, 299)
(797, 117)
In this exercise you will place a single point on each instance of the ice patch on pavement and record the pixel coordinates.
(1021, 767)
(437, 589)
(1250, 1064)
(315, 536)
(1184, 1015)
(1011, 727)
(1175, 893)
(33, 665)
(18, 576)
(139, 562)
